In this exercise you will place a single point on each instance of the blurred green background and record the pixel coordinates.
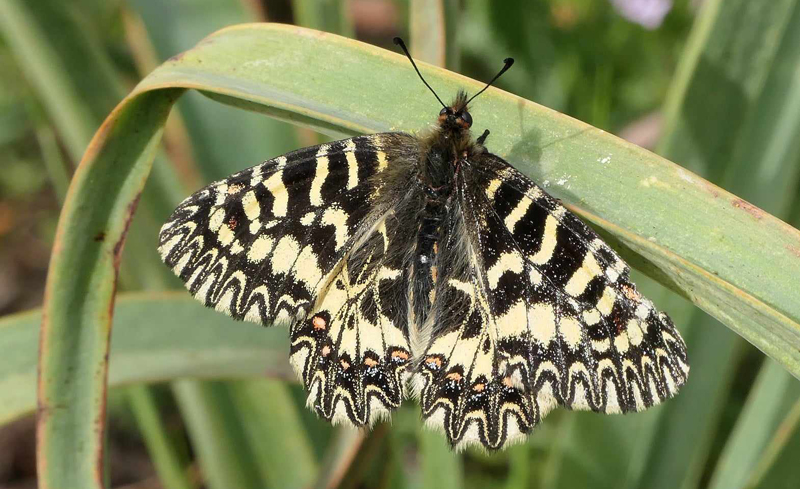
(711, 85)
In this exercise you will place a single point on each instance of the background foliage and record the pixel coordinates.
(714, 87)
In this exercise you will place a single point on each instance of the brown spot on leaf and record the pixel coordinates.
(749, 208)
(121, 241)
(99, 237)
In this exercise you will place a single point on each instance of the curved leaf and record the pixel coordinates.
(157, 337)
(697, 235)
(730, 258)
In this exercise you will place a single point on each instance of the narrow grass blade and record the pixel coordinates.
(217, 436)
(759, 420)
(428, 33)
(778, 466)
(340, 455)
(172, 471)
(440, 466)
(275, 433)
(326, 15)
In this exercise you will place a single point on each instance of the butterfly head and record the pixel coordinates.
(456, 116)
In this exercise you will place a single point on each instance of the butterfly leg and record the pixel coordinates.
(482, 138)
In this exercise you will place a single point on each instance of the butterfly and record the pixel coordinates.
(424, 265)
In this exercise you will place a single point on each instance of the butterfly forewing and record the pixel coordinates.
(303, 239)
(551, 318)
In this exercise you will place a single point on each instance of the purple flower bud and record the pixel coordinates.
(647, 13)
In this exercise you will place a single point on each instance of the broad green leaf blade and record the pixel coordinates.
(157, 337)
(698, 245)
(59, 48)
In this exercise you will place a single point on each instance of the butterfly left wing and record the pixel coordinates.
(547, 317)
(302, 239)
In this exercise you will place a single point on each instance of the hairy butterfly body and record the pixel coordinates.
(427, 266)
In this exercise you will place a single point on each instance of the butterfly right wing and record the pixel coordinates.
(551, 318)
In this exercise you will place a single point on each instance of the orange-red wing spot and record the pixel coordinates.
(370, 362)
(454, 376)
(478, 387)
(326, 350)
(631, 293)
(508, 382)
(345, 364)
(318, 322)
(401, 355)
(232, 223)
(433, 362)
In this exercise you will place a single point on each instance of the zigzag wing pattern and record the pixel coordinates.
(565, 326)
(352, 348)
(462, 386)
(302, 239)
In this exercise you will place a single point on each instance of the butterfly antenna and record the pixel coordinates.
(508, 62)
(402, 45)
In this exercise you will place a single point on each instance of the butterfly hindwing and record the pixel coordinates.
(552, 319)
(302, 239)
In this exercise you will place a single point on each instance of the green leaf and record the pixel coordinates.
(697, 252)
(157, 337)
(698, 248)
(224, 140)
(172, 470)
(748, 144)
(270, 415)
(218, 435)
(771, 399)
(440, 466)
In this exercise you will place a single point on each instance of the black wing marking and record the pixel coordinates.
(552, 319)
(290, 241)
